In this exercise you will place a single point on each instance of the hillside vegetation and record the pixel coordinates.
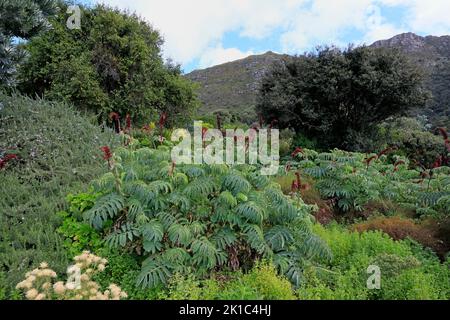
(57, 153)
(94, 207)
(244, 77)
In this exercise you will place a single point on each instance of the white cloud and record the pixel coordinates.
(218, 55)
(190, 27)
(194, 29)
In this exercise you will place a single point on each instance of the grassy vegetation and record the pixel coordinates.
(58, 153)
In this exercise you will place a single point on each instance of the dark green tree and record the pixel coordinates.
(334, 95)
(112, 64)
(20, 19)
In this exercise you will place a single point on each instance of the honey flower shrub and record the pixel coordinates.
(39, 283)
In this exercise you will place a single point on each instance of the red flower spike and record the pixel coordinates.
(114, 116)
(162, 119)
(299, 181)
(204, 131)
(443, 133)
(107, 154)
(437, 163)
(6, 159)
(128, 122)
(369, 160)
(297, 151)
(288, 167)
(294, 186)
(386, 151)
(219, 122)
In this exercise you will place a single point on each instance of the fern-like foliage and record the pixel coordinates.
(201, 218)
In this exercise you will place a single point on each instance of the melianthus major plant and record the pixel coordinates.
(200, 218)
(354, 179)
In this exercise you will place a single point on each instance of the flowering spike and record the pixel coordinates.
(261, 121)
(443, 133)
(6, 159)
(162, 119)
(437, 163)
(114, 116)
(128, 123)
(107, 155)
(288, 167)
(204, 131)
(297, 151)
(369, 160)
(386, 151)
(294, 186)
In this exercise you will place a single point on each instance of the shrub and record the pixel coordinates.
(58, 154)
(261, 283)
(354, 180)
(407, 271)
(123, 269)
(112, 64)
(399, 229)
(331, 93)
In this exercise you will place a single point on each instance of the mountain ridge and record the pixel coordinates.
(232, 86)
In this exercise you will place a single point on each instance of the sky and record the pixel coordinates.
(203, 33)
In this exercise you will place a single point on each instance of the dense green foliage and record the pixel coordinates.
(407, 271)
(200, 218)
(413, 139)
(58, 153)
(335, 94)
(175, 231)
(352, 180)
(113, 64)
(22, 19)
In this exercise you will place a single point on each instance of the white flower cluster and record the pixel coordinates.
(38, 284)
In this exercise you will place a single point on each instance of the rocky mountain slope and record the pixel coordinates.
(233, 86)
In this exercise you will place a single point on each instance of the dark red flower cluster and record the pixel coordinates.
(297, 151)
(387, 151)
(114, 116)
(219, 122)
(444, 135)
(297, 183)
(287, 168)
(7, 158)
(437, 163)
(204, 132)
(107, 154)
(443, 132)
(128, 123)
(162, 119)
(368, 161)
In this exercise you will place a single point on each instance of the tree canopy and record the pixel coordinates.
(112, 64)
(20, 19)
(335, 94)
